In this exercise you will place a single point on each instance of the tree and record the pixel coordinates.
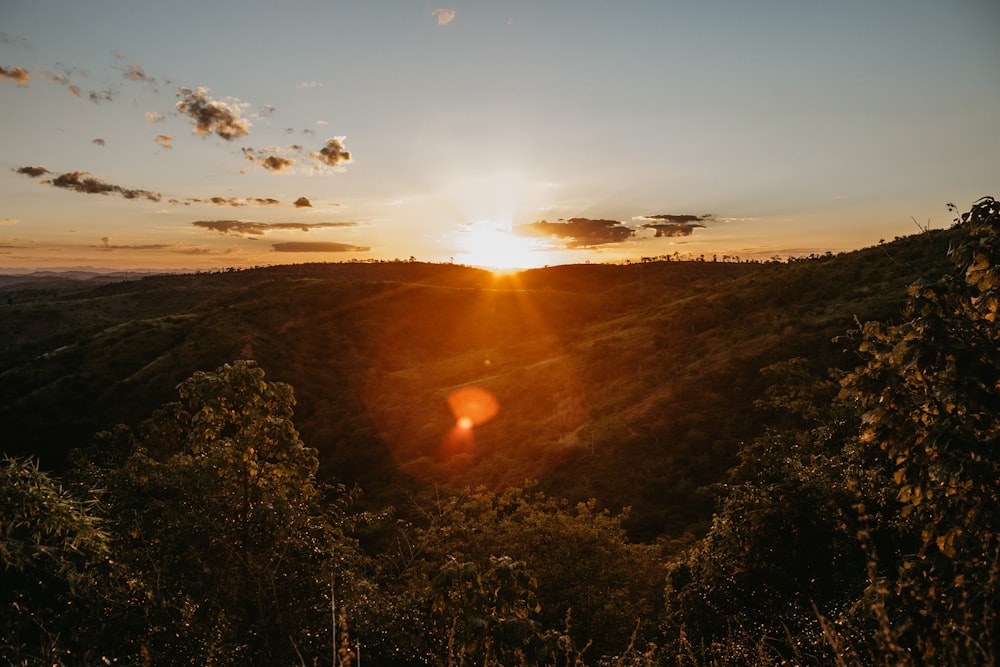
(581, 562)
(232, 547)
(929, 394)
(781, 550)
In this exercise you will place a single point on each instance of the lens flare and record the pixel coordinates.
(472, 406)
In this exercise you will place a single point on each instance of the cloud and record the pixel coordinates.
(265, 110)
(333, 153)
(310, 84)
(75, 90)
(8, 221)
(444, 16)
(33, 172)
(81, 181)
(106, 95)
(105, 245)
(276, 163)
(673, 225)
(317, 246)
(153, 117)
(97, 142)
(250, 228)
(18, 75)
(677, 219)
(19, 42)
(212, 115)
(302, 202)
(165, 140)
(231, 201)
(579, 232)
(134, 73)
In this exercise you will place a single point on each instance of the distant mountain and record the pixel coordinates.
(631, 384)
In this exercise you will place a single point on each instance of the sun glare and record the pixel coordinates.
(494, 246)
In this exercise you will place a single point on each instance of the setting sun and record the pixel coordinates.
(495, 246)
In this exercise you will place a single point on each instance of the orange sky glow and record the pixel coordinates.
(505, 136)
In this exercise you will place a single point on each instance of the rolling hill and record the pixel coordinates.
(632, 384)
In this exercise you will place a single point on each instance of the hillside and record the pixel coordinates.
(630, 384)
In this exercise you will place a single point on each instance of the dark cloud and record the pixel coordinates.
(18, 75)
(276, 163)
(81, 181)
(674, 225)
(318, 246)
(97, 142)
(106, 95)
(302, 202)
(33, 172)
(272, 161)
(250, 228)
(333, 153)
(579, 232)
(673, 229)
(211, 115)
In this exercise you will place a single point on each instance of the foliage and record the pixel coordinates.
(858, 529)
(782, 547)
(52, 548)
(930, 398)
(593, 585)
(488, 612)
(233, 551)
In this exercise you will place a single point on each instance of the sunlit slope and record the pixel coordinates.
(632, 384)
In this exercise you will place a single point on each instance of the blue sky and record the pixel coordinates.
(212, 134)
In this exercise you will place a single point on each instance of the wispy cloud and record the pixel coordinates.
(8, 221)
(154, 117)
(212, 115)
(134, 72)
(444, 16)
(15, 40)
(165, 141)
(317, 246)
(98, 141)
(81, 181)
(250, 228)
(234, 202)
(18, 75)
(579, 232)
(310, 84)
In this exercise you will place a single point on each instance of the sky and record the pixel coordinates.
(189, 135)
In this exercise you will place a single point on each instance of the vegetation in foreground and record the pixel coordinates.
(862, 527)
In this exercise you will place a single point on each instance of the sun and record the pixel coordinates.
(494, 246)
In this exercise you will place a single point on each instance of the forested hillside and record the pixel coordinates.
(658, 463)
(630, 384)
